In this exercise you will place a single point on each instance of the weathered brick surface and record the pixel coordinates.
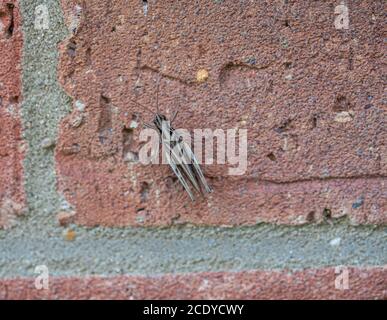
(12, 198)
(307, 284)
(310, 96)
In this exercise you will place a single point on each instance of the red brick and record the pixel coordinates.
(364, 283)
(12, 197)
(310, 96)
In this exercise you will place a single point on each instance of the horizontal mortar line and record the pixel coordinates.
(187, 249)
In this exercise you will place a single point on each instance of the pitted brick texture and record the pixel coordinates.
(310, 96)
(12, 197)
(306, 284)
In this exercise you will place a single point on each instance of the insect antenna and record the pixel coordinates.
(142, 106)
(146, 109)
(174, 116)
(157, 93)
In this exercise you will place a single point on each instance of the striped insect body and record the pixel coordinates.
(178, 154)
(180, 157)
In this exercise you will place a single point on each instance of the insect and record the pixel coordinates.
(178, 154)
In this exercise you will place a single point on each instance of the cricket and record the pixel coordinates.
(178, 154)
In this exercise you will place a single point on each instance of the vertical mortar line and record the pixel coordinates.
(44, 104)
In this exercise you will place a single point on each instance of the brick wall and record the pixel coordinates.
(12, 199)
(307, 218)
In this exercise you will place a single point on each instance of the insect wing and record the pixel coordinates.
(196, 167)
(172, 157)
(178, 173)
(183, 159)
